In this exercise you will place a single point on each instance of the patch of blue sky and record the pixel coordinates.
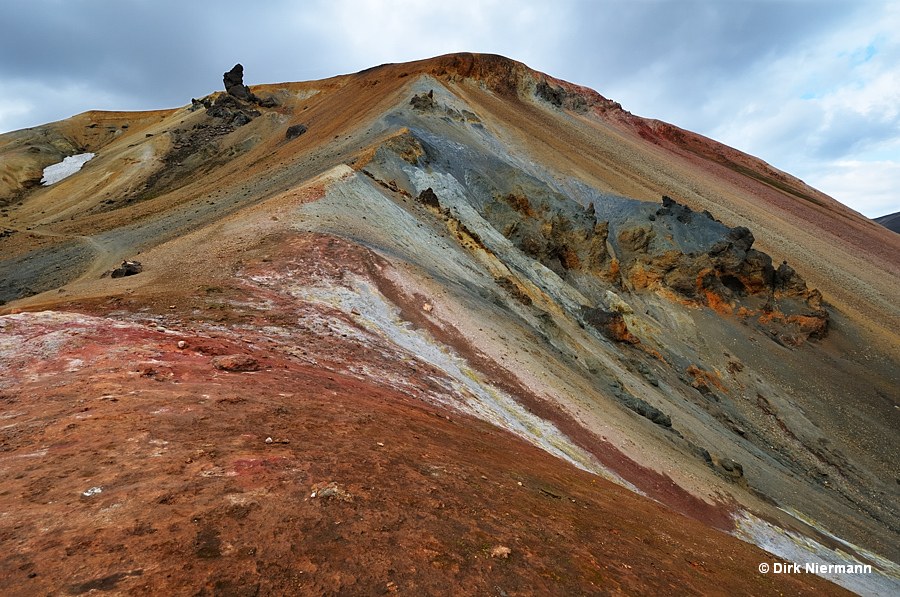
(860, 56)
(884, 154)
(863, 55)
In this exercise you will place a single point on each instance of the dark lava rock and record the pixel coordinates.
(701, 453)
(562, 98)
(240, 119)
(554, 95)
(609, 323)
(682, 213)
(788, 282)
(128, 268)
(268, 101)
(232, 111)
(197, 104)
(428, 197)
(647, 411)
(741, 238)
(228, 102)
(235, 362)
(294, 131)
(641, 407)
(234, 77)
(731, 470)
(424, 103)
(234, 84)
(716, 266)
(757, 273)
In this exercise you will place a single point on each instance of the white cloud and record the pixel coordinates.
(370, 32)
(827, 112)
(870, 188)
(32, 102)
(12, 111)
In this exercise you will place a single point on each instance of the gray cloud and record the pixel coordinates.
(683, 54)
(732, 70)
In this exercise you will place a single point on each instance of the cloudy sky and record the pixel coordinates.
(812, 87)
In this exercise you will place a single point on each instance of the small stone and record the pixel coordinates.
(128, 268)
(330, 491)
(235, 362)
(269, 440)
(182, 344)
(294, 131)
(428, 307)
(500, 552)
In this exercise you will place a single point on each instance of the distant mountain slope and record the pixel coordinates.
(890, 221)
(463, 236)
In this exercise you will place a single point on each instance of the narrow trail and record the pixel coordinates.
(103, 260)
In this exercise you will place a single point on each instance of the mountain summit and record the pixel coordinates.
(443, 327)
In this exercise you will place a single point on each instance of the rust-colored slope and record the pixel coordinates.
(135, 466)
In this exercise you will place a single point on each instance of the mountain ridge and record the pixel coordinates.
(890, 221)
(517, 244)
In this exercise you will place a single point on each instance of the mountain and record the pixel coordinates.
(445, 327)
(890, 221)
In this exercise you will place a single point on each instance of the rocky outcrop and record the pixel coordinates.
(429, 198)
(234, 84)
(294, 131)
(424, 103)
(686, 255)
(230, 110)
(128, 268)
(561, 239)
(700, 261)
(570, 97)
(641, 407)
(609, 323)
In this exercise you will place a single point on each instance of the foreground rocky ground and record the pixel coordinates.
(135, 467)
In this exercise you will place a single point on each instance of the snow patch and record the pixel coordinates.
(65, 168)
